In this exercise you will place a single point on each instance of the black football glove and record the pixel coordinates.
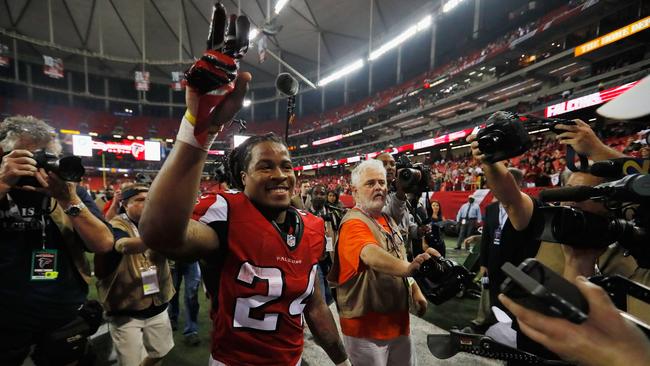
(225, 45)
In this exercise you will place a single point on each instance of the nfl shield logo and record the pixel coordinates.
(291, 241)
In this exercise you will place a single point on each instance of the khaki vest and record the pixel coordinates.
(122, 288)
(371, 291)
(73, 244)
(614, 262)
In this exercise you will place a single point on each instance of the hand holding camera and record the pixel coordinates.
(15, 165)
(42, 172)
(584, 141)
(51, 185)
(418, 261)
(605, 338)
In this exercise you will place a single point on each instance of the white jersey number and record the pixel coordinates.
(248, 275)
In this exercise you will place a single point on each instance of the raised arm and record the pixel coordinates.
(584, 141)
(517, 204)
(165, 225)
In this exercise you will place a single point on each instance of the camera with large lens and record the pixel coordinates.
(413, 178)
(505, 134)
(627, 201)
(68, 168)
(440, 279)
(503, 137)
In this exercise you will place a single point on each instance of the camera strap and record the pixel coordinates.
(570, 161)
(392, 235)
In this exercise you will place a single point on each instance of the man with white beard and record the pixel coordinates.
(371, 275)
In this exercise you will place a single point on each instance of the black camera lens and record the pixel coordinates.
(70, 169)
(409, 176)
(489, 143)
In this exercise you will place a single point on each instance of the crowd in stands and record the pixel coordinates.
(544, 165)
(310, 124)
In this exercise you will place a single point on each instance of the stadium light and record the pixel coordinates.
(253, 33)
(247, 102)
(279, 5)
(450, 5)
(342, 72)
(410, 32)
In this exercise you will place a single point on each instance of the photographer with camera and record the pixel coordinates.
(46, 226)
(521, 208)
(135, 286)
(402, 202)
(370, 276)
(604, 339)
(261, 253)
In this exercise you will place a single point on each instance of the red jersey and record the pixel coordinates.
(265, 280)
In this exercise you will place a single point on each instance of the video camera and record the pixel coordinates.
(413, 178)
(627, 201)
(506, 134)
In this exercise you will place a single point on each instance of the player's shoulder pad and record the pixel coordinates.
(211, 207)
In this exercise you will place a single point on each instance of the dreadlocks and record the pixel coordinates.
(240, 157)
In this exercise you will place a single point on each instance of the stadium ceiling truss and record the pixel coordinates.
(118, 37)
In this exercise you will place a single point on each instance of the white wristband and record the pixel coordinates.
(186, 133)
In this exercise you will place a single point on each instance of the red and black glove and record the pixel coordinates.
(213, 74)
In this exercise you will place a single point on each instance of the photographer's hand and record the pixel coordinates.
(518, 205)
(93, 232)
(585, 142)
(604, 339)
(16, 164)
(63, 192)
(115, 206)
(419, 300)
(476, 152)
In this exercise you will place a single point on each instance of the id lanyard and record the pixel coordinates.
(148, 271)
(503, 217)
(43, 260)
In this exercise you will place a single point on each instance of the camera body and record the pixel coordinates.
(503, 137)
(440, 279)
(537, 287)
(413, 178)
(68, 168)
(505, 134)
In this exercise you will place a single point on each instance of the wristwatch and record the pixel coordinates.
(74, 210)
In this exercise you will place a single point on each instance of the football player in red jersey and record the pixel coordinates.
(261, 253)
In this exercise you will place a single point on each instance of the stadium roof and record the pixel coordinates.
(176, 30)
